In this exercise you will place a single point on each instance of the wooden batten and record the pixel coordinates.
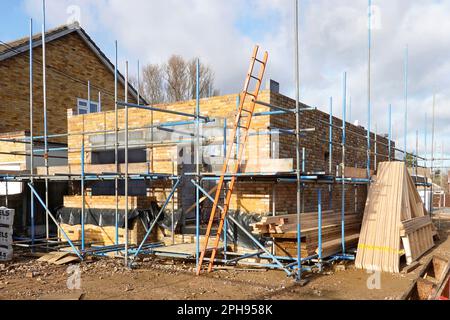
(284, 231)
(395, 222)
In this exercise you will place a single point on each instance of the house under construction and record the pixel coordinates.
(254, 178)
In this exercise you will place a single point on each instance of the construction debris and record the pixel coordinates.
(395, 222)
(432, 283)
(59, 258)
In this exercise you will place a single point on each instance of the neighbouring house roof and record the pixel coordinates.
(19, 46)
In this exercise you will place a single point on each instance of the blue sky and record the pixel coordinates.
(333, 39)
(13, 20)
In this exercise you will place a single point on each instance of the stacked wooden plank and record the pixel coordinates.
(284, 231)
(395, 222)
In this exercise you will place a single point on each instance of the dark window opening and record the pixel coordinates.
(108, 157)
(107, 188)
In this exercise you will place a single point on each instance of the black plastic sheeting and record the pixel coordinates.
(106, 217)
(237, 236)
(166, 222)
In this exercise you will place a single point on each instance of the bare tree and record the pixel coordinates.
(176, 79)
(206, 75)
(153, 84)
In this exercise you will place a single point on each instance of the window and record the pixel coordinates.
(108, 157)
(105, 188)
(82, 107)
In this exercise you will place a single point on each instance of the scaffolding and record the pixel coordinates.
(300, 177)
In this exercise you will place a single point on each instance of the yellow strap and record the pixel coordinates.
(369, 247)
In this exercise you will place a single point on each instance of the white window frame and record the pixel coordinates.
(87, 108)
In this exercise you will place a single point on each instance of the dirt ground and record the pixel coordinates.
(107, 279)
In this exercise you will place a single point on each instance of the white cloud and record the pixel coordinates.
(333, 39)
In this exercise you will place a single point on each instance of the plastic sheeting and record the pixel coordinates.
(166, 222)
(106, 217)
(236, 235)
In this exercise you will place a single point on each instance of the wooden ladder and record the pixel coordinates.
(247, 119)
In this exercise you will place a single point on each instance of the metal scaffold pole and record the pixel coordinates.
(297, 134)
(197, 164)
(425, 138)
(83, 191)
(116, 146)
(432, 152)
(330, 151)
(375, 158)
(369, 98)
(31, 137)
(417, 152)
(344, 141)
(319, 226)
(44, 95)
(390, 134)
(138, 82)
(99, 101)
(406, 104)
(126, 165)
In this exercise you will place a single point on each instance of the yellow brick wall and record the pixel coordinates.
(163, 158)
(108, 202)
(7, 148)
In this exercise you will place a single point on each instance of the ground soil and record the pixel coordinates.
(107, 279)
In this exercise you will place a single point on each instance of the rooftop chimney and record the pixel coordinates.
(273, 86)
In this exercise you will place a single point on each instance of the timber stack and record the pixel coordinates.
(283, 229)
(395, 222)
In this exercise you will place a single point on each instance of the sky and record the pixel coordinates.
(333, 40)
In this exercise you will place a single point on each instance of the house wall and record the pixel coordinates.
(317, 148)
(163, 158)
(16, 195)
(255, 197)
(68, 55)
(10, 152)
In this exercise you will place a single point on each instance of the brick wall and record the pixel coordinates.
(317, 147)
(441, 201)
(316, 143)
(163, 158)
(255, 197)
(69, 55)
(108, 202)
(7, 149)
(223, 107)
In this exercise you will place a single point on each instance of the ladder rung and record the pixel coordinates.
(228, 188)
